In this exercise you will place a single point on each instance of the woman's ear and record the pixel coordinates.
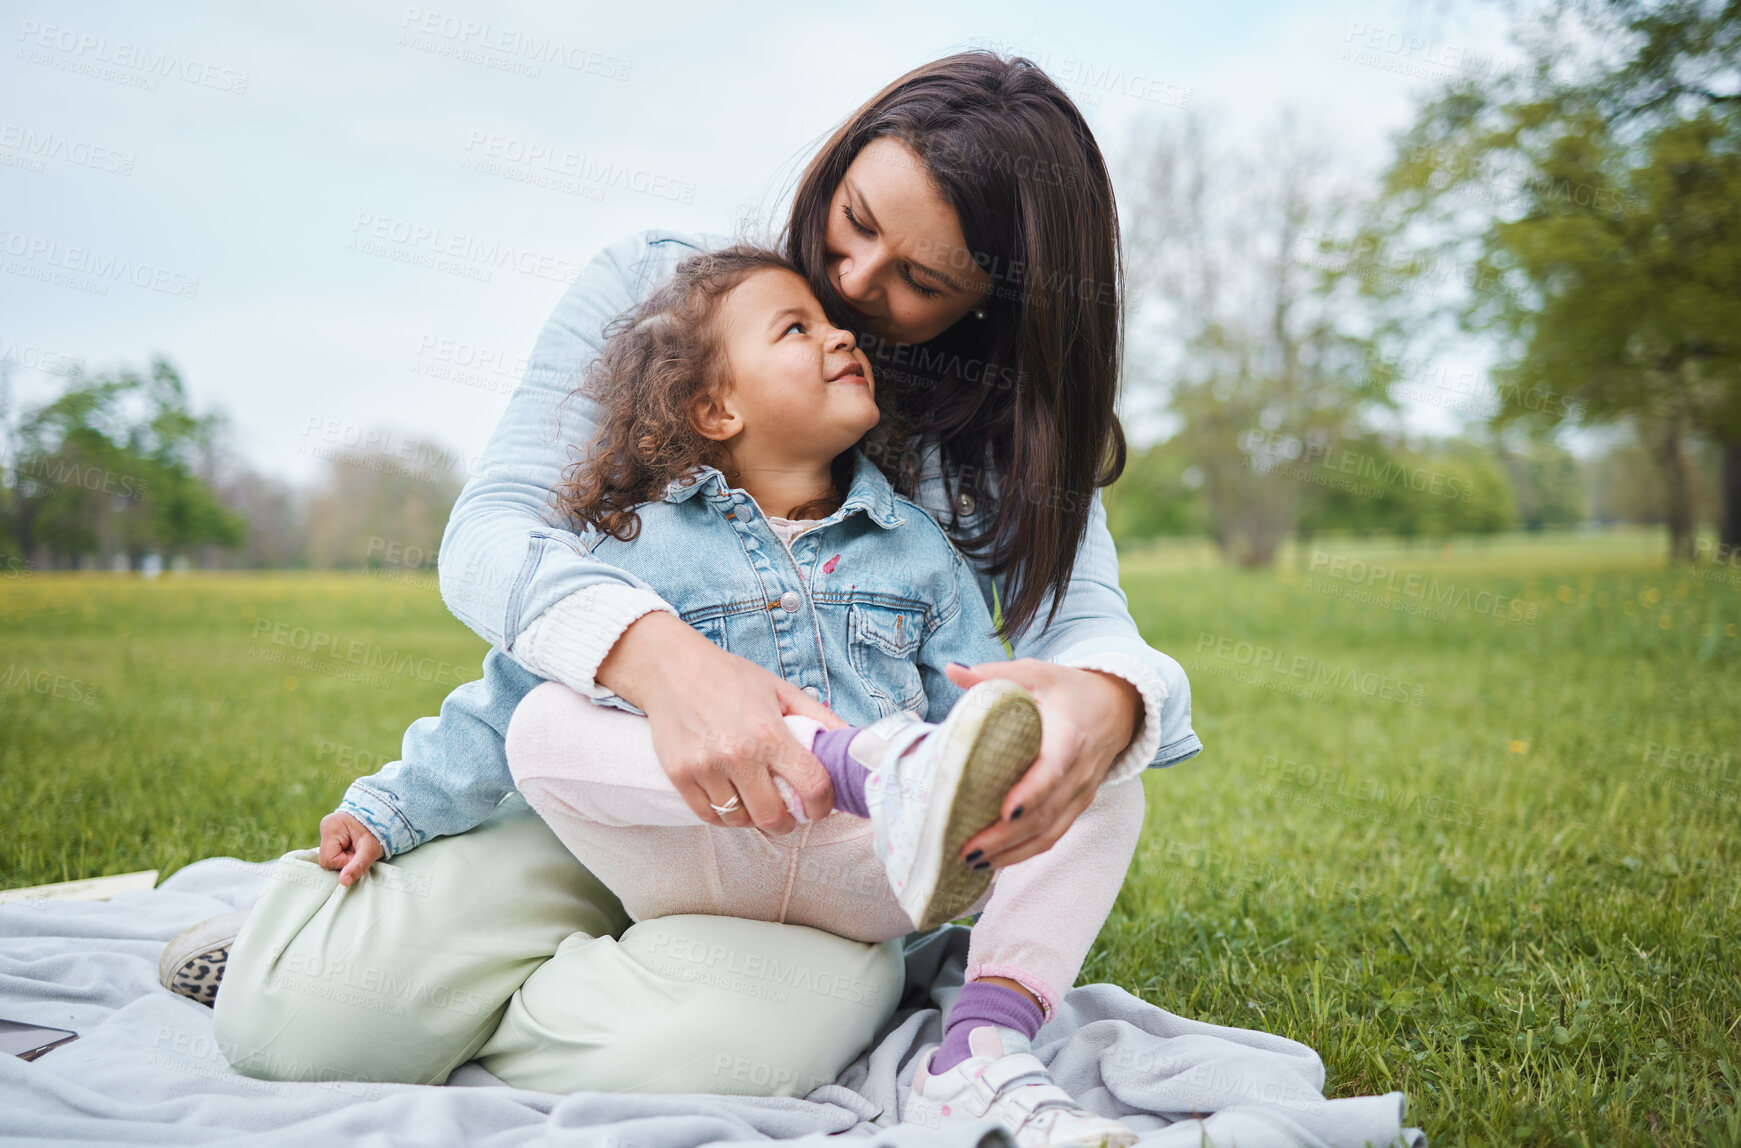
(714, 416)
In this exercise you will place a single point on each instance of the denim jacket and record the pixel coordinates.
(507, 556)
(863, 612)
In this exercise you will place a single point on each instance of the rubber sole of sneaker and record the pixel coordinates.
(1004, 739)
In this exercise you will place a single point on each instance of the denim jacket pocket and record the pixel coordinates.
(885, 655)
(712, 627)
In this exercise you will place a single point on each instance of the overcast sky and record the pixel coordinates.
(257, 192)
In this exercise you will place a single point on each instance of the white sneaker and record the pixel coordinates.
(931, 787)
(192, 964)
(1014, 1089)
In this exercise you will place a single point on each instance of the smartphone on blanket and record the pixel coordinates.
(29, 1041)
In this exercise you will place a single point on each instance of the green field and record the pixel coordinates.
(1466, 825)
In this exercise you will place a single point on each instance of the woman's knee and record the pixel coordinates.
(315, 959)
(756, 1008)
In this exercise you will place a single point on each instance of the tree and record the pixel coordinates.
(1157, 496)
(1432, 490)
(1246, 324)
(1548, 488)
(106, 469)
(1596, 199)
(373, 500)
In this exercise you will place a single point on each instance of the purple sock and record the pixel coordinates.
(979, 1004)
(848, 775)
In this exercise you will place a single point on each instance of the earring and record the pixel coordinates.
(979, 312)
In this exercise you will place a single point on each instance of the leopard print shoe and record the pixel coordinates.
(192, 964)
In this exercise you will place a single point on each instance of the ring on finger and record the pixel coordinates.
(731, 806)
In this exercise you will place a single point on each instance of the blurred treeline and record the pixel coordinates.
(1483, 487)
(118, 472)
(1572, 220)
(1575, 218)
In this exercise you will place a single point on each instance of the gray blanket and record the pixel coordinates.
(145, 1069)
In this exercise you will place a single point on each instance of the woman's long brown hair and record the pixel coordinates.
(1025, 397)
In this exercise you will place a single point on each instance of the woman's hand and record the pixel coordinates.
(1087, 719)
(347, 845)
(718, 725)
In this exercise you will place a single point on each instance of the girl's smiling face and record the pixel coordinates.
(800, 391)
(895, 252)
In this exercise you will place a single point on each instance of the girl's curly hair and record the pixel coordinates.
(657, 358)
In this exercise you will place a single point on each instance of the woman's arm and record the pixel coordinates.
(1111, 704)
(505, 556)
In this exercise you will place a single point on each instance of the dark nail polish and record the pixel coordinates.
(974, 856)
(982, 865)
(1016, 812)
(963, 665)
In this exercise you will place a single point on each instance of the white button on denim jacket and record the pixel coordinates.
(507, 557)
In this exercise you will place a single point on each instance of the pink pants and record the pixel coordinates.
(591, 773)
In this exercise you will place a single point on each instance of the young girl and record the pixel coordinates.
(729, 412)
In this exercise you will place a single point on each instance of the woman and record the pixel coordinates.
(962, 221)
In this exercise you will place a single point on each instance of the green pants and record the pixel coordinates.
(497, 944)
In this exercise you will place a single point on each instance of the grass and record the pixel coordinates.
(1470, 835)
(203, 738)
